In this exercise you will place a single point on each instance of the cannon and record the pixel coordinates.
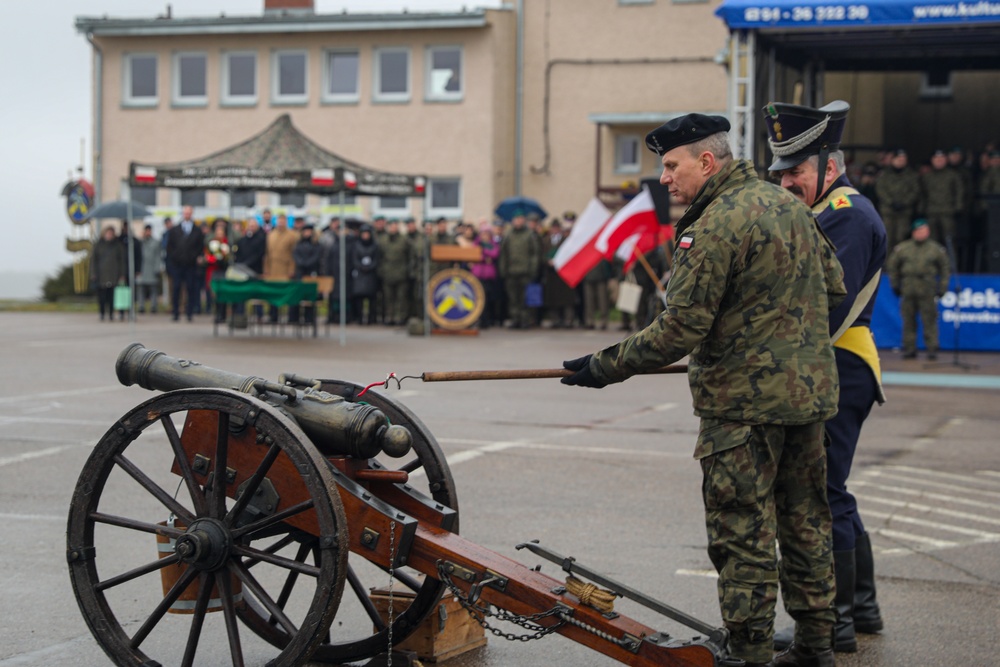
(280, 505)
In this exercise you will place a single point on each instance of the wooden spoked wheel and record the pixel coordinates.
(157, 541)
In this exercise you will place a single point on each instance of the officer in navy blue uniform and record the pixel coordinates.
(805, 143)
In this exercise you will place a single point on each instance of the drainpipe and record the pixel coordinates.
(519, 98)
(98, 146)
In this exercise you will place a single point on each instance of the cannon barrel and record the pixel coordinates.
(335, 425)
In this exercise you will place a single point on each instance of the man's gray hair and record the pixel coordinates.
(836, 156)
(716, 144)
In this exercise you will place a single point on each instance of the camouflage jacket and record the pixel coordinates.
(898, 191)
(943, 193)
(396, 259)
(919, 268)
(753, 282)
(520, 253)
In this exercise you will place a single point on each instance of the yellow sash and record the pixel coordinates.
(860, 341)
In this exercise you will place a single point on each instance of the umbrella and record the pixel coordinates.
(511, 206)
(119, 209)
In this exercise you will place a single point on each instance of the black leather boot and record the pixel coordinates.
(800, 656)
(867, 616)
(845, 641)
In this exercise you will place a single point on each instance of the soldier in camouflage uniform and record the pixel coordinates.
(520, 258)
(943, 197)
(918, 272)
(749, 298)
(395, 266)
(898, 190)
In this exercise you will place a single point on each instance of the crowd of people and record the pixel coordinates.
(387, 261)
(951, 190)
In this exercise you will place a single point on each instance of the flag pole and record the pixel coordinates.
(645, 264)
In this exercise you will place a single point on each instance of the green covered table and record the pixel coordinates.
(277, 293)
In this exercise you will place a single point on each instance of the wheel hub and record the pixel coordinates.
(205, 544)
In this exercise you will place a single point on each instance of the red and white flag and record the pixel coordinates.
(635, 225)
(577, 255)
(144, 175)
(322, 177)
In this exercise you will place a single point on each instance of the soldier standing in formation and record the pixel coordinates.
(396, 259)
(520, 256)
(749, 299)
(943, 197)
(918, 273)
(855, 229)
(898, 190)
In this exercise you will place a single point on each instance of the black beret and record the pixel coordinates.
(938, 152)
(684, 130)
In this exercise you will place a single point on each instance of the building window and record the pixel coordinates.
(340, 76)
(936, 85)
(144, 195)
(628, 156)
(292, 199)
(289, 74)
(444, 73)
(194, 198)
(391, 207)
(243, 198)
(392, 75)
(444, 198)
(189, 87)
(139, 87)
(239, 78)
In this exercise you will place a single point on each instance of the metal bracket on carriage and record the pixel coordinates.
(717, 636)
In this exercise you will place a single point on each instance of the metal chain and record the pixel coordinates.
(480, 614)
(392, 574)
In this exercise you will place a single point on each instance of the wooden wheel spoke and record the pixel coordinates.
(155, 565)
(289, 585)
(217, 510)
(274, 548)
(362, 594)
(198, 619)
(252, 484)
(225, 585)
(280, 561)
(275, 608)
(153, 488)
(410, 466)
(135, 524)
(175, 591)
(194, 488)
(251, 528)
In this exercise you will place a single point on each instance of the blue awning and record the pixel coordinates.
(813, 14)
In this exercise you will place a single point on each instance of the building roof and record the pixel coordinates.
(277, 23)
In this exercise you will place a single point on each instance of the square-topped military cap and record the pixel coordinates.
(796, 132)
(684, 130)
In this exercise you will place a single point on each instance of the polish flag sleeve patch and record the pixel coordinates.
(685, 242)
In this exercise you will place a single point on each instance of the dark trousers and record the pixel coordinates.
(106, 301)
(857, 395)
(185, 278)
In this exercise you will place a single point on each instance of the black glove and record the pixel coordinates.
(581, 377)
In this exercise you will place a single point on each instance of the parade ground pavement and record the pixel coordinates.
(606, 476)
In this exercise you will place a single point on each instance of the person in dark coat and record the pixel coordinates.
(249, 250)
(107, 269)
(330, 241)
(364, 274)
(185, 249)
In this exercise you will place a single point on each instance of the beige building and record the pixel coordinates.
(552, 104)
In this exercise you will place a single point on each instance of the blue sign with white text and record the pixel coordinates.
(968, 315)
(812, 14)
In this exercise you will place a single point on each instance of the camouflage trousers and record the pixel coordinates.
(922, 303)
(765, 485)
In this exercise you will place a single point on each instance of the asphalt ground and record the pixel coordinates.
(605, 476)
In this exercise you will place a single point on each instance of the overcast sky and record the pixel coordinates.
(46, 107)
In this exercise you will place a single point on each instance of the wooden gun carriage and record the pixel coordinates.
(281, 505)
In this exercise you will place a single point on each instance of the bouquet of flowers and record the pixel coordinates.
(218, 252)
